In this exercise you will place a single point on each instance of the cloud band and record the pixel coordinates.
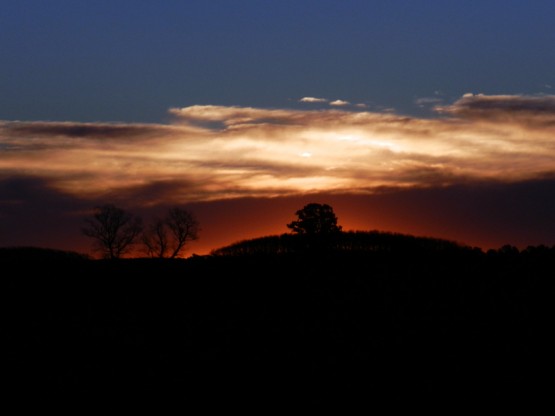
(217, 152)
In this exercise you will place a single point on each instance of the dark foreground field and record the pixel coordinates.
(322, 327)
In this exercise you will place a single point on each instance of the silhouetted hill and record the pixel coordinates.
(318, 326)
(350, 241)
(32, 254)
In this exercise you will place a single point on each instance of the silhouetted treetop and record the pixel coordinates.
(113, 230)
(315, 219)
(167, 236)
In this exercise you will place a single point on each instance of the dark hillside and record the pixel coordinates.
(320, 326)
(351, 241)
(25, 254)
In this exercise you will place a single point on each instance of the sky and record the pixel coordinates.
(432, 118)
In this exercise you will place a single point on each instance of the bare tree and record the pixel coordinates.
(155, 239)
(167, 237)
(183, 227)
(113, 230)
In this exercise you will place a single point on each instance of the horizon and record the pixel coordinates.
(414, 117)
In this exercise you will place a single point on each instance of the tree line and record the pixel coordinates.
(115, 232)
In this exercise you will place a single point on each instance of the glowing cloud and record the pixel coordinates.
(313, 100)
(339, 103)
(218, 152)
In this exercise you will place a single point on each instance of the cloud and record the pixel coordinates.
(214, 116)
(313, 100)
(511, 104)
(79, 130)
(508, 108)
(210, 153)
(427, 101)
(339, 103)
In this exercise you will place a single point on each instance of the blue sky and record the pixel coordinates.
(130, 61)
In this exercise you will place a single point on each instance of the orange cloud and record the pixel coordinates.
(218, 152)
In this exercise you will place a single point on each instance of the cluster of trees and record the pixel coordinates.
(116, 231)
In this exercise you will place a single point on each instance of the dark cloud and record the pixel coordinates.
(34, 214)
(538, 109)
(81, 130)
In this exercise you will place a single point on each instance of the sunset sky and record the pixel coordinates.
(432, 118)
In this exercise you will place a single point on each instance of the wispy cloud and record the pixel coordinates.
(333, 103)
(428, 101)
(339, 103)
(313, 100)
(218, 152)
(480, 105)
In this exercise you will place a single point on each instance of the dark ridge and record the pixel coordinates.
(31, 254)
(350, 241)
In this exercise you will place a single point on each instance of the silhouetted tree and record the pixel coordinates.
(315, 219)
(167, 237)
(155, 239)
(113, 230)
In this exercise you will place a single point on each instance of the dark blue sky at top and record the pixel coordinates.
(131, 60)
